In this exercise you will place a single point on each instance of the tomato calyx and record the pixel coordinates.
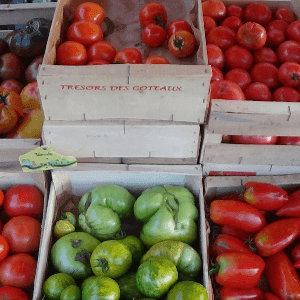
(76, 243)
(295, 77)
(215, 269)
(178, 42)
(83, 257)
(3, 100)
(159, 20)
(103, 264)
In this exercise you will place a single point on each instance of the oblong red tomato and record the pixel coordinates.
(270, 296)
(237, 214)
(297, 264)
(296, 253)
(236, 232)
(291, 208)
(254, 293)
(276, 236)
(265, 196)
(238, 270)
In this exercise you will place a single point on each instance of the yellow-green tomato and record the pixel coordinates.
(111, 259)
(63, 227)
(135, 246)
(188, 290)
(72, 292)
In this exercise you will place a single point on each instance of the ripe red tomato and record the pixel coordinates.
(255, 139)
(4, 248)
(275, 37)
(258, 13)
(286, 94)
(222, 37)
(178, 25)
(89, 11)
(156, 59)
(129, 56)
(71, 53)
(289, 74)
(265, 54)
(154, 35)
(24, 200)
(153, 12)
(215, 9)
(285, 14)
(292, 207)
(236, 232)
(98, 62)
(258, 91)
(102, 50)
(233, 23)
(296, 252)
(1, 197)
(12, 293)
(278, 25)
(238, 57)
(216, 74)
(293, 31)
(270, 296)
(215, 56)
(182, 44)
(209, 24)
(252, 36)
(227, 90)
(265, 73)
(85, 33)
(18, 270)
(289, 51)
(289, 140)
(22, 234)
(1, 226)
(234, 10)
(254, 293)
(240, 76)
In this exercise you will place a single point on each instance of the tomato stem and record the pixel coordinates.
(103, 264)
(3, 99)
(215, 269)
(76, 243)
(84, 257)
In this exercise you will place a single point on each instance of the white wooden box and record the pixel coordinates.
(136, 178)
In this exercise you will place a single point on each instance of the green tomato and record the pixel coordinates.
(72, 292)
(63, 227)
(135, 246)
(188, 290)
(128, 286)
(111, 259)
(100, 288)
(156, 276)
(67, 216)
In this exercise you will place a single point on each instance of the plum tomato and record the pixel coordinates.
(255, 139)
(233, 23)
(265, 73)
(227, 90)
(265, 54)
(278, 25)
(236, 232)
(275, 38)
(254, 293)
(258, 91)
(216, 74)
(154, 35)
(214, 8)
(258, 13)
(98, 62)
(102, 50)
(286, 94)
(296, 252)
(182, 44)
(156, 59)
(293, 31)
(289, 74)
(238, 57)
(240, 76)
(289, 51)
(89, 11)
(129, 55)
(252, 36)
(270, 296)
(234, 10)
(153, 12)
(215, 56)
(289, 140)
(71, 53)
(177, 25)
(222, 37)
(284, 14)
(209, 24)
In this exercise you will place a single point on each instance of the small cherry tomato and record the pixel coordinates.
(216, 74)
(258, 91)
(234, 10)
(265, 54)
(71, 53)
(238, 57)
(182, 44)
(178, 25)
(89, 11)
(240, 76)
(153, 12)
(285, 14)
(98, 62)
(215, 56)
(254, 293)
(293, 31)
(102, 50)
(233, 23)
(156, 59)
(289, 51)
(227, 90)
(222, 37)
(258, 13)
(252, 36)
(286, 94)
(209, 24)
(215, 9)
(129, 56)
(265, 73)
(4, 248)
(289, 74)
(154, 35)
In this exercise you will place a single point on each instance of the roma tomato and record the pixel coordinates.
(287, 140)
(18, 270)
(286, 94)
(265, 73)
(254, 293)
(290, 209)
(98, 62)
(216, 74)
(238, 270)
(227, 90)
(231, 196)
(234, 10)
(252, 36)
(237, 214)
(222, 37)
(209, 23)
(154, 35)
(240, 76)
(153, 12)
(102, 50)
(284, 14)
(129, 56)
(238, 57)
(71, 53)
(4, 248)
(233, 23)
(289, 74)
(89, 11)
(12, 293)
(177, 25)
(258, 13)
(275, 37)
(156, 59)
(282, 276)
(265, 54)
(293, 31)
(270, 296)
(296, 252)
(276, 236)
(289, 51)
(182, 44)
(215, 56)
(255, 139)
(236, 232)
(265, 196)
(258, 91)
(215, 9)
(278, 25)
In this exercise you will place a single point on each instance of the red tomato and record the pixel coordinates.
(178, 25)
(216, 74)
(24, 200)
(238, 57)
(282, 277)
(102, 50)
(18, 270)
(296, 252)
(265, 73)
(85, 33)
(129, 56)
(297, 264)
(293, 31)
(215, 9)
(234, 10)
(275, 37)
(98, 62)
(1, 226)
(227, 90)
(270, 296)
(286, 94)
(22, 234)
(71, 53)
(231, 196)
(236, 232)
(4, 248)
(278, 25)
(233, 23)
(284, 14)
(255, 139)
(182, 44)
(12, 293)
(1, 197)
(290, 209)
(252, 36)
(209, 24)
(289, 74)
(222, 37)
(254, 293)
(238, 270)
(237, 214)
(265, 196)
(258, 13)
(258, 91)
(89, 11)
(153, 12)
(287, 140)
(240, 76)
(265, 55)
(215, 56)
(154, 35)
(156, 59)
(289, 51)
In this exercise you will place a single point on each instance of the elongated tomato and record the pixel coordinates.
(292, 207)
(237, 214)
(296, 252)
(236, 232)
(241, 294)
(270, 296)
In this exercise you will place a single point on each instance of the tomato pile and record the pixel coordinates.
(255, 247)
(22, 207)
(85, 43)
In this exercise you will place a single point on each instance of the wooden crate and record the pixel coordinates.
(175, 92)
(81, 179)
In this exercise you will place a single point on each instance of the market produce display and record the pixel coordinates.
(255, 261)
